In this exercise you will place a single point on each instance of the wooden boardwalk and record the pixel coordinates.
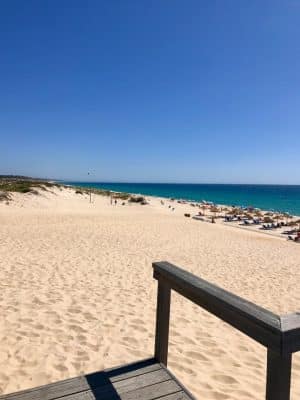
(145, 380)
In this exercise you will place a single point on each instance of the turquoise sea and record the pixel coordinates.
(284, 198)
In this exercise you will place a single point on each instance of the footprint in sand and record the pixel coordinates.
(26, 320)
(130, 340)
(88, 316)
(138, 321)
(39, 326)
(226, 379)
(74, 310)
(218, 396)
(187, 370)
(138, 328)
(61, 368)
(243, 348)
(77, 328)
(93, 347)
(242, 394)
(189, 341)
(196, 356)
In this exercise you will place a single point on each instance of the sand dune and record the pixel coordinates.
(77, 292)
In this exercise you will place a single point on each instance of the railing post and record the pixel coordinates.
(162, 322)
(278, 376)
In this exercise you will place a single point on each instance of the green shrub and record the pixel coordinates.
(137, 199)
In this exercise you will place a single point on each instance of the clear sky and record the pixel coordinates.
(159, 91)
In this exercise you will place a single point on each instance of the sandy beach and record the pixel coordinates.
(77, 293)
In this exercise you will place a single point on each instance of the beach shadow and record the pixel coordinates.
(101, 384)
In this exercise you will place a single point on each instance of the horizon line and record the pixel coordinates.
(176, 183)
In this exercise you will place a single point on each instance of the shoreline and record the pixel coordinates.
(187, 207)
(182, 207)
(197, 205)
(237, 205)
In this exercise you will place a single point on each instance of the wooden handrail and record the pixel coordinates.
(280, 334)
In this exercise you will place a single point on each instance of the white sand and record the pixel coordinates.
(77, 293)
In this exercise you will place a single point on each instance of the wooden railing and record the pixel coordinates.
(280, 334)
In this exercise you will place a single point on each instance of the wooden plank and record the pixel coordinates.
(290, 327)
(278, 376)
(131, 385)
(129, 370)
(83, 383)
(153, 391)
(183, 388)
(52, 390)
(139, 381)
(150, 392)
(88, 395)
(162, 323)
(177, 396)
(254, 321)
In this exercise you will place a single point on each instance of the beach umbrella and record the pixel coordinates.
(236, 211)
(277, 217)
(268, 219)
(292, 223)
(258, 213)
(248, 215)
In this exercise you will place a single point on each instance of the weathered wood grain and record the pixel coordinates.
(278, 376)
(290, 327)
(84, 383)
(256, 322)
(162, 323)
(146, 380)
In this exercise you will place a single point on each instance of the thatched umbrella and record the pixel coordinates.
(277, 216)
(236, 211)
(268, 219)
(248, 215)
(231, 212)
(292, 223)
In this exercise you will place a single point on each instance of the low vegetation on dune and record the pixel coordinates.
(102, 192)
(137, 199)
(122, 196)
(4, 196)
(20, 184)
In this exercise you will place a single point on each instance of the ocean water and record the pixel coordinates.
(284, 198)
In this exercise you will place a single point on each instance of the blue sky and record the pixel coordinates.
(159, 91)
